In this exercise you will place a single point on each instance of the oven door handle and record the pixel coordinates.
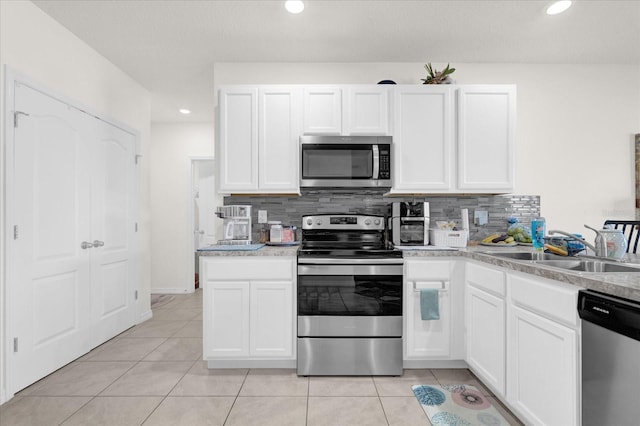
(350, 270)
(337, 261)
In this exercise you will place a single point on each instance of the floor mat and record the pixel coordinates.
(457, 405)
(158, 300)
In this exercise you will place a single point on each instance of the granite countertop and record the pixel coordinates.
(625, 285)
(264, 251)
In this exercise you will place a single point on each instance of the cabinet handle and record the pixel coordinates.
(98, 243)
(86, 245)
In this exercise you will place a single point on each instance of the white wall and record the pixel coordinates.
(171, 247)
(36, 46)
(574, 132)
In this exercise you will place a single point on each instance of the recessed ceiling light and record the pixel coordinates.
(184, 111)
(294, 6)
(558, 7)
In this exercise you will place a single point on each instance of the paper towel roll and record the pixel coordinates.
(465, 218)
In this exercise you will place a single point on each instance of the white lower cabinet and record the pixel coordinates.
(440, 339)
(542, 351)
(248, 310)
(485, 325)
(523, 338)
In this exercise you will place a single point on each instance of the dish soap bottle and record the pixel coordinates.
(538, 225)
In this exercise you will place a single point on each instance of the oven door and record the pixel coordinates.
(354, 300)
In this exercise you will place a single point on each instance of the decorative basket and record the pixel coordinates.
(448, 238)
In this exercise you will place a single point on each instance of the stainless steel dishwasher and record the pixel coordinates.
(610, 359)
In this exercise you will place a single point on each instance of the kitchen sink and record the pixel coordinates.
(530, 255)
(588, 265)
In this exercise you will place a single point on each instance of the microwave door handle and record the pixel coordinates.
(376, 162)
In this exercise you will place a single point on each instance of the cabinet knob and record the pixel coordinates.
(86, 245)
(98, 243)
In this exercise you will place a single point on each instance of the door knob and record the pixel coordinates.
(98, 243)
(86, 245)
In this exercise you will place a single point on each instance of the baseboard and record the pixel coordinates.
(246, 363)
(145, 316)
(440, 363)
(3, 396)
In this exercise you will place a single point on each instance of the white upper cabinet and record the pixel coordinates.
(258, 139)
(446, 138)
(346, 110)
(486, 132)
(278, 132)
(423, 146)
(322, 110)
(238, 139)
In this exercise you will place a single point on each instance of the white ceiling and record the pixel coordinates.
(170, 47)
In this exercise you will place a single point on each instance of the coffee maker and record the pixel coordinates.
(409, 223)
(236, 224)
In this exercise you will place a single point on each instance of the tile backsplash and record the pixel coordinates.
(290, 209)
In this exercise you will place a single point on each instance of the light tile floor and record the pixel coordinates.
(153, 374)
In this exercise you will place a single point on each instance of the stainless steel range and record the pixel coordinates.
(349, 298)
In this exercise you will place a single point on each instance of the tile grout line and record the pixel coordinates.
(236, 397)
(384, 412)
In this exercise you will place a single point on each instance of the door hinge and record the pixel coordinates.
(16, 114)
(135, 227)
(137, 157)
(15, 232)
(136, 294)
(15, 344)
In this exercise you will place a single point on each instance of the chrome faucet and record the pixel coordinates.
(600, 249)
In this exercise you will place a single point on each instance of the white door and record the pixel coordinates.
(204, 201)
(113, 271)
(49, 287)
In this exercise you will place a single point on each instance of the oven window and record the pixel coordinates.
(350, 295)
(337, 163)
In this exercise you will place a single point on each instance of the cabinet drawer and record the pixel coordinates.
(427, 270)
(488, 279)
(550, 298)
(248, 268)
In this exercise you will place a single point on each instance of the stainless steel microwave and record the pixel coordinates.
(345, 161)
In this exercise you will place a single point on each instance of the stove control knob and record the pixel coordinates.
(319, 222)
(309, 222)
(367, 222)
(376, 222)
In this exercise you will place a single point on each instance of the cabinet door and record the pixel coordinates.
(238, 139)
(542, 369)
(278, 139)
(422, 156)
(485, 319)
(272, 324)
(486, 131)
(427, 338)
(366, 111)
(226, 319)
(322, 111)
